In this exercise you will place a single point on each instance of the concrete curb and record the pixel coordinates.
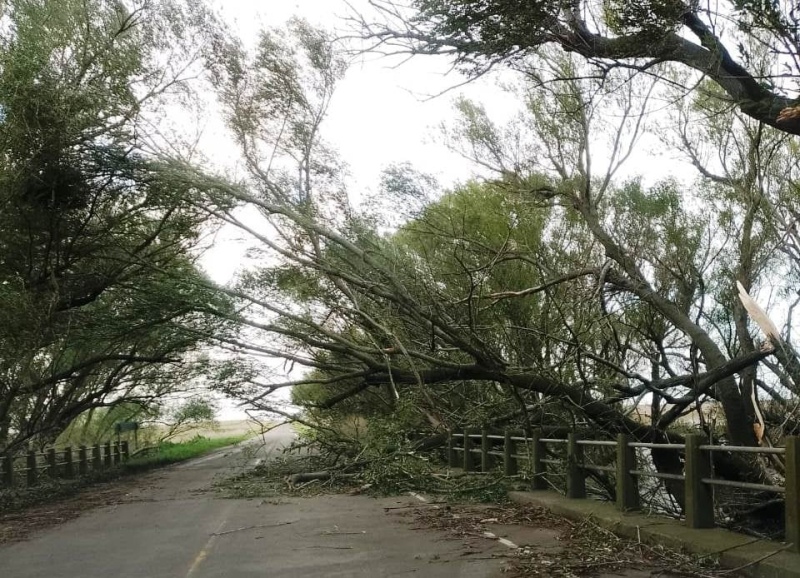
(733, 550)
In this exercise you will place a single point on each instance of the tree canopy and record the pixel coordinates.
(101, 298)
(555, 293)
(718, 43)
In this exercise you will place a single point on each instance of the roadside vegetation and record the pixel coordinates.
(564, 290)
(154, 424)
(163, 454)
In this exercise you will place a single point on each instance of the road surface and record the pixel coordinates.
(172, 525)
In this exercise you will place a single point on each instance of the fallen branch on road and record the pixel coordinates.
(295, 479)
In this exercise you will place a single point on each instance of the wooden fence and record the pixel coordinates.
(698, 477)
(65, 463)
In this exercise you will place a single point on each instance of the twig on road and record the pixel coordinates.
(325, 548)
(252, 528)
(757, 560)
(434, 504)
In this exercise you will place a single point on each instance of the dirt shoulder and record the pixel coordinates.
(21, 524)
(539, 543)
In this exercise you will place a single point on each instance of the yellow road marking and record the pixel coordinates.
(199, 559)
(203, 553)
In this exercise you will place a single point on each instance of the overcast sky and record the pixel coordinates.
(381, 113)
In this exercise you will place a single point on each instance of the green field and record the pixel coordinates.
(173, 452)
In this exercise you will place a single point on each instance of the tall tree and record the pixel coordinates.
(555, 293)
(97, 279)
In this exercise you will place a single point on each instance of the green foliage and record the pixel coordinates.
(653, 223)
(402, 194)
(766, 15)
(190, 415)
(399, 473)
(612, 34)
(553, 294)
(651, 17)
(196, 410)
(502, 26)
(97, 425)
(275, 100)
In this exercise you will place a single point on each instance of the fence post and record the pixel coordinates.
(699, 497)
(486, 445)
(452, 460)
(538, 469)
(117, 453)
(33, 472)
(792, 497)
(83, 463)
(97, 460)
(107, 454)
(126, 452)
(510, 467)
(52, 463)
(576, 479)
(69, 467)
(627, 489)
(8, 470)
(468, 462)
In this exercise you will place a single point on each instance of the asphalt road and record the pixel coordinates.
(173, 525)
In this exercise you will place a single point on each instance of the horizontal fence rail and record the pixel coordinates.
(469, 448)
(60, 463)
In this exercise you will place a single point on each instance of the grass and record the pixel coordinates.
(173, 452)
(47, 491)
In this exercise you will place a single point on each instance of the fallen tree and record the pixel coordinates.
(553, 293)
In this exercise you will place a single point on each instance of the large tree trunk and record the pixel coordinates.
(738, 426)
